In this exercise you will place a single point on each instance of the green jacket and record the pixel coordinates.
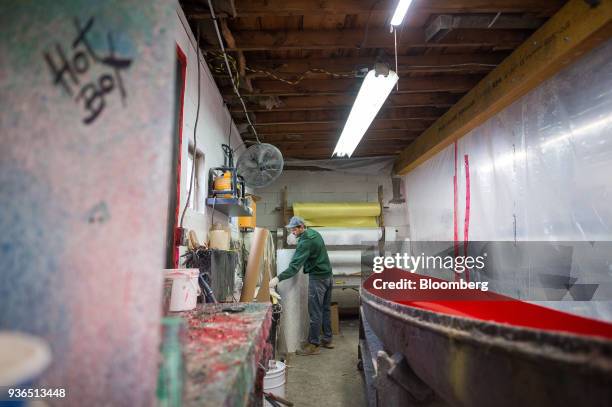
(312, 254)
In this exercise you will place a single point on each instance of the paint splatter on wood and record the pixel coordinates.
(224, 352)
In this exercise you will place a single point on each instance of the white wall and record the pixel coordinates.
(325, 186)
(212, 128)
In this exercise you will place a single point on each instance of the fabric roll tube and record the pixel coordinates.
(345, 257)
(338, 214)
(349, 236)
(354, 222)
(346, 270)
(335, 209)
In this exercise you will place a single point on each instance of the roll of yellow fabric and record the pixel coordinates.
(338, 214)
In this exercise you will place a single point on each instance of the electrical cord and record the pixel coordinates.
(494, 19)
(229, 135)
(229, 71)
(195, 138)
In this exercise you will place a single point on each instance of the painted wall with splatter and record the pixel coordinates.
(86, 107)
(213, 129)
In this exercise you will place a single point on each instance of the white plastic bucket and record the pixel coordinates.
(185, 289)
(219, 239)
(23, 359)
(274, 380)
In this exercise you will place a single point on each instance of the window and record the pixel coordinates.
(197, 197)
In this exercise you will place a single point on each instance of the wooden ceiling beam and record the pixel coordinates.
(291, 103)
(442, 83)
(262, 8)
(391, 125)
(333, 120)
(421, 63)
(306, 132)
(322, 136)
(446, 23)
(325, 116)
(231, 43)
(377, 38)
(326, 152)
(314, 144)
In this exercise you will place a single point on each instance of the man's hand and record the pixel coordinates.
(274, 282)
(274, 294)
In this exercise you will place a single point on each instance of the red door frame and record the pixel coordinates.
(182, 59)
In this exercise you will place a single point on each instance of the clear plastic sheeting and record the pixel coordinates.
(538, 171)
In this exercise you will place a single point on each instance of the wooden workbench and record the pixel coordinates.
(223, 354)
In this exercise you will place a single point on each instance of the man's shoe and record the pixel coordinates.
(308, 350)
(327, 345)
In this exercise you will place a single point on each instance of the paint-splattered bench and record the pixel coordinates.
(224, 354)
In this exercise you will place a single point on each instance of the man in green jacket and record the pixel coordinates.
(312, 254)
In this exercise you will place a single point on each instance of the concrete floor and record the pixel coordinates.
(331, 378)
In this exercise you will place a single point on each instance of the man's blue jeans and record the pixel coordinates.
(319, 303)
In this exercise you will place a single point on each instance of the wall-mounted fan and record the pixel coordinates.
(260, 165)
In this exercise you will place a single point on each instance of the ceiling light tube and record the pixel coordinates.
(374, 90)
(400, 12)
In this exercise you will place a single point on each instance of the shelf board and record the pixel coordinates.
(229, 206)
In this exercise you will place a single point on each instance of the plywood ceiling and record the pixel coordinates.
(298, 62)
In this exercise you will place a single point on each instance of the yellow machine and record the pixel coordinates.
(249, 222)
(224, 183)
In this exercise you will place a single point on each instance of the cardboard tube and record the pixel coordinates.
(263, 295)
(258, 245)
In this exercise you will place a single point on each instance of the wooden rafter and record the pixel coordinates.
(445, 83)
(262, 8)
(420, 63)
(325, 116)
(376, 38)
(414, 125)
(335, 102)
(322, 136)
(231, 43)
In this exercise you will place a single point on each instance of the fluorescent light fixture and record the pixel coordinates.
(400, 12)
(372, 94)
